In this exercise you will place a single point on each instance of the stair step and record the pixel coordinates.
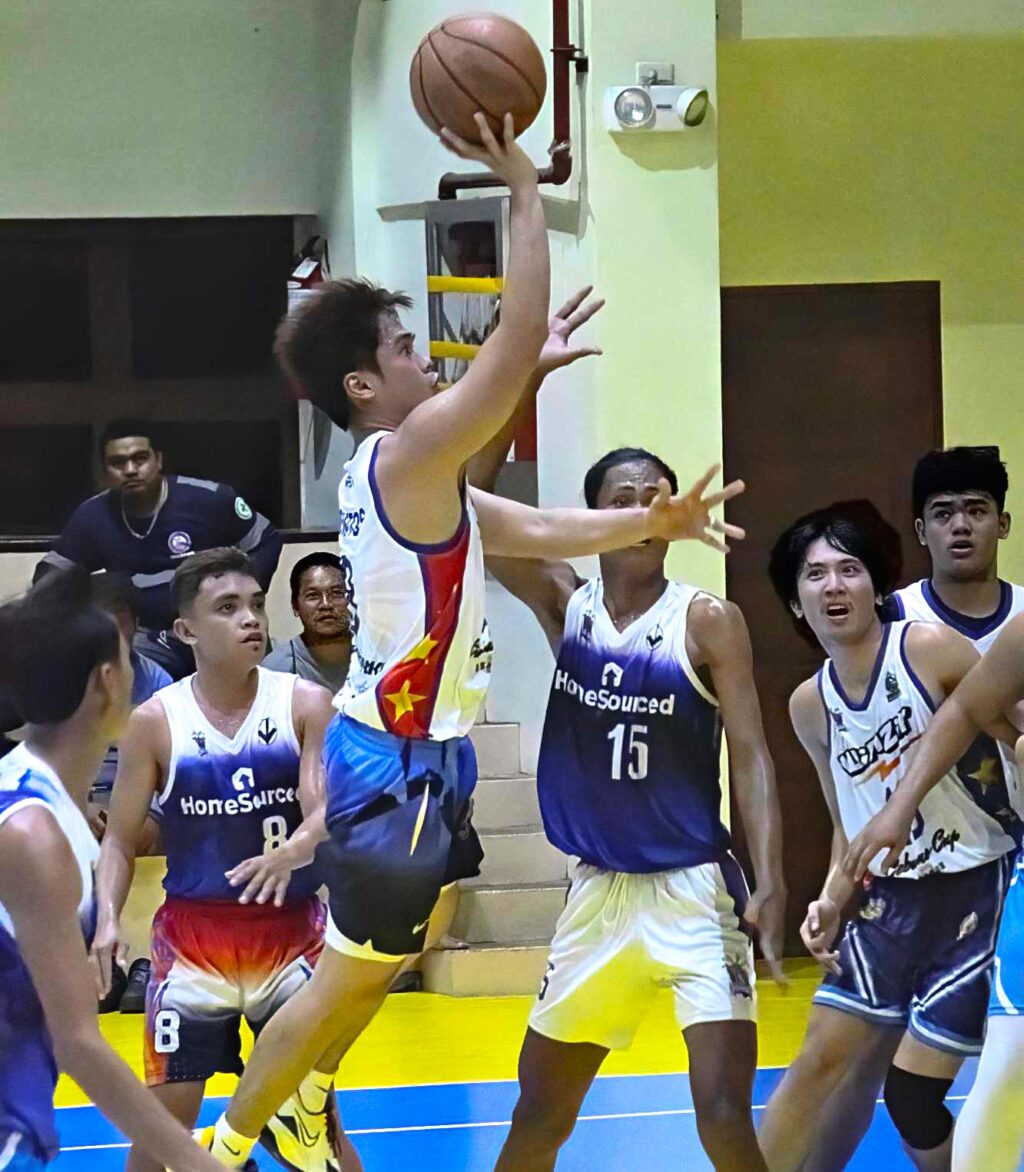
(497, 749)
(502, 802)
(516, 856)
(509, 915)
(487, 970)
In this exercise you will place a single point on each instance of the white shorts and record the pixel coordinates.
(621, 938)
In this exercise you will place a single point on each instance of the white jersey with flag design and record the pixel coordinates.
(422, 650)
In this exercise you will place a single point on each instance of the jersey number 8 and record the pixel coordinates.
(275, 833)
(629, 753)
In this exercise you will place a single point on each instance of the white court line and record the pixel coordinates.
(477, 1124)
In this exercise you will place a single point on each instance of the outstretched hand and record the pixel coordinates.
(687, 516)
(557, 351)
(506, 159)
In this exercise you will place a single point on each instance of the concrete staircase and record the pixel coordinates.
(507, 914)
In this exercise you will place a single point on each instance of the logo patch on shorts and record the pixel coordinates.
(739, 979)
(968, 925)
(242, 509)
(874, 909)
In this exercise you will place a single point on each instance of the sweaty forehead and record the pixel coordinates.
(390, 329)
(959, 499)
(633, 474)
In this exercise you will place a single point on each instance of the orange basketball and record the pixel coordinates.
(477, 61)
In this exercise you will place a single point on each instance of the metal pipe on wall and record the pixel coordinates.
(560, 167)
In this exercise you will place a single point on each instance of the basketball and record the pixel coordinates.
(478, 61)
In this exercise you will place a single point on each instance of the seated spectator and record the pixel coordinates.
(146, 522)
(322, 650)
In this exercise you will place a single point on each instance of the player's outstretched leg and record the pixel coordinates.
(989, 1135)
(791, 1119)
(554, 1077)
(723, 1058)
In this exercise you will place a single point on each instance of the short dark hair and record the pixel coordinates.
(53, 637)
(309, 562)
(123, 428)
(115, 590)
(852, 527)
(208, 563)
(335, 331)
(957, 470)
(596, 473)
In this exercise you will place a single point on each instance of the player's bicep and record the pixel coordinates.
(312, 711)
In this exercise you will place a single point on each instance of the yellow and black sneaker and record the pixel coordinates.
(305, 1140)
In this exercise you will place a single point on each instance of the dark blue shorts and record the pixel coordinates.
(398, 814)
(919, 954)
(1008, 980)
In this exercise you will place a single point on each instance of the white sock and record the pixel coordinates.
(229, 1146)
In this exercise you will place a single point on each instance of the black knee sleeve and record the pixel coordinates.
(916, 1105)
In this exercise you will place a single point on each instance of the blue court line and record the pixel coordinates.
(459, 1127)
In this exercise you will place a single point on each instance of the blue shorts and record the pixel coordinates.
(918, 955)
(398, 814)
(1008, 979)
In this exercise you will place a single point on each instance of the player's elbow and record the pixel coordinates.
(76, 1045)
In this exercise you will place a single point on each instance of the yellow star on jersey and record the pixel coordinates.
(403, 700)
(988, 772)
(422, 649)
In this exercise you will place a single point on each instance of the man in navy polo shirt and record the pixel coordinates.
(145, 523)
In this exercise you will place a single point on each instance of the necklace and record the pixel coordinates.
(152, 521)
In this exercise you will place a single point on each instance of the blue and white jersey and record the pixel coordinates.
(28, 1071)
(997, 790)
(228, 799)
(628, 776)
(869, 745)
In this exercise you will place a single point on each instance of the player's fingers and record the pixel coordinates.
(487, 137)
(251, 888)
(891, 859)
(715, 544)
(778, 973)
(733, 488)
(99, 962)
(584, 314)
(662, 496)
(698, 489)
(508, 127)
(574, 302)
(459, 146)
(282, 891)
(736, 532)
(831, 961)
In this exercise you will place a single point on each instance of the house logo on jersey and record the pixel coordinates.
(200, 740)
(655, 636)
(892, 686)
(882, 752)
(587, 629)
(179, 543)
(267, 731)
(612, 675)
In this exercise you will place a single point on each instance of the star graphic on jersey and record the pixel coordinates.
(403, 700)
(988, 773)
(422, 649)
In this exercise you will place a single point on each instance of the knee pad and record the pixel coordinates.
(916, 1106)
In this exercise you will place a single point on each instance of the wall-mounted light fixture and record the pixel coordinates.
(632, 108)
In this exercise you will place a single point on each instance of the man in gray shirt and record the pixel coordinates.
(321, 652)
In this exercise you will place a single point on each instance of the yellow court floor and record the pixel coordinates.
(421, 1038)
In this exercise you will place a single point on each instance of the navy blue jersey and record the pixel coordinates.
(628, 776)
(228, 799)
(197, 515)
(28, 1070)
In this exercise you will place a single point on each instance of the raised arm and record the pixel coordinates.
(139, 775)
(434, 442)
(509, 529)
(265, 878)
(39, 886)
(557, 352)
(990, 689)
(719, 634)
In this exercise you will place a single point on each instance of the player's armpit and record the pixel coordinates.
(544, 586)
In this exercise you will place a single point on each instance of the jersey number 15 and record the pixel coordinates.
(629, 751)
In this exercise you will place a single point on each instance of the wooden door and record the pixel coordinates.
(829, 393)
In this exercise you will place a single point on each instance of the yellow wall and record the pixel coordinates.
(885, 160)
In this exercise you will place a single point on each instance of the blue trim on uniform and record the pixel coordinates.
(828, 715)
(969, 626)
(901, 610)
(846, 1002)
(875, 672)
(404, 542)
(929, 1034)
(914, 678)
